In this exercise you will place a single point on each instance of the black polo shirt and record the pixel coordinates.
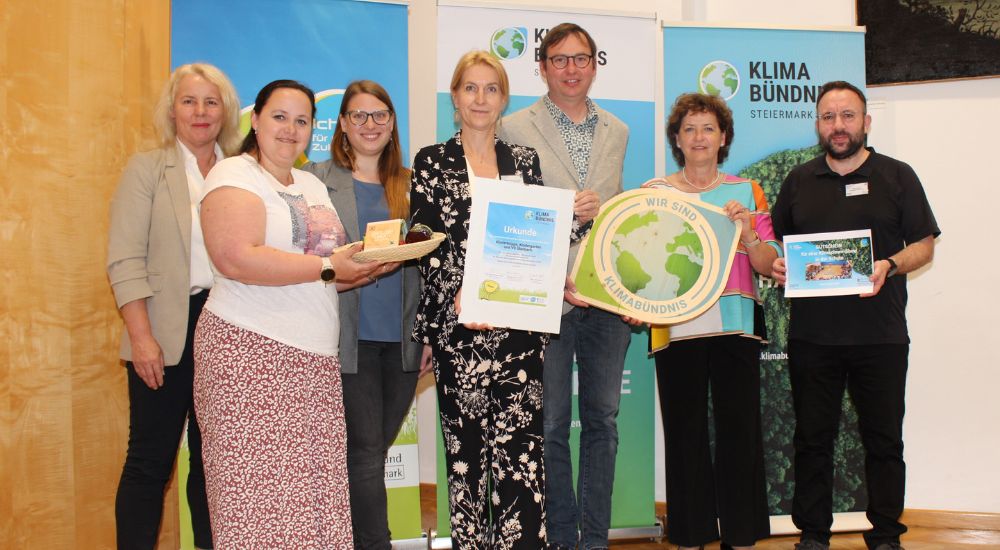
(814, 199)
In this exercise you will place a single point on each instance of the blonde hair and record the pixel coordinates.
(229, 136)
(481, 57)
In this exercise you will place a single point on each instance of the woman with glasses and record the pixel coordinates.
(721, 495)
(367, 182)
(489, 381)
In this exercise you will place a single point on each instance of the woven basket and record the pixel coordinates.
(399, 253)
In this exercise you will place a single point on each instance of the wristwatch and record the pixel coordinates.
(893, 268)
(327, 274)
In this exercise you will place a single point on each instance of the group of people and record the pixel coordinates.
(294, 365)
(305, 368)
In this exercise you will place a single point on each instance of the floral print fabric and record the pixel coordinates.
(273, 441)
(489, 388)
(488, 382)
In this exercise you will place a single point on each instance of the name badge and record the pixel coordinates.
(512, 177)
(854, 189)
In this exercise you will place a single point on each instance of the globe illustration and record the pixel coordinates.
(656, 255)
(719, 78)
(508, 43)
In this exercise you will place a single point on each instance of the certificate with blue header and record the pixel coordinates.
(515, 260)
(828, 264)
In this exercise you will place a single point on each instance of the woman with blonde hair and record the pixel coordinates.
(489, 381)
(160, 276)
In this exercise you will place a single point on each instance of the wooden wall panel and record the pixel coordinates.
(78, 81)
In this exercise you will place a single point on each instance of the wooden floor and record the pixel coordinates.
(917, 538)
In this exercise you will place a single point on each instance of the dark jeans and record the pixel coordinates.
(726, 492)
(376, 401)
(875, 377)
(597, 341)
(156, 421)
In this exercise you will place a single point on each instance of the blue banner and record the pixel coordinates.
(770, 79)
(325, 44)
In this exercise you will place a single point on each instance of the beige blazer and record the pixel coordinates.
(533, 126)
(149, 246)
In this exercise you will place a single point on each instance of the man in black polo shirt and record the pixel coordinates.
(857, 341)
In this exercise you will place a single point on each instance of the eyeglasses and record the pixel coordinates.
(359, 117)
(581, 60)
(847, 116)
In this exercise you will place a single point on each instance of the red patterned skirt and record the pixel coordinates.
(273, 439)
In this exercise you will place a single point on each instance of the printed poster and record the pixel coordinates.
(769, 78)
(828, 264)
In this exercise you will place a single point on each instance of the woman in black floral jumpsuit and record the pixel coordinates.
(489, 381)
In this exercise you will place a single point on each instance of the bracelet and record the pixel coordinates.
(371, 279)
(754, 242)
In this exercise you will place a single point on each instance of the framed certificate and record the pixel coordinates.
(515, 260)
(828, 264)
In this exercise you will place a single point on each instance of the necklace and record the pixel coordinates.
(476, 158)
(718, 178)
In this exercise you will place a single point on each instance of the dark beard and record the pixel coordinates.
(853, 146)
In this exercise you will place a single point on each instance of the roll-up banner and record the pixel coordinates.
(624, 86)
(770, 79)
(324, 44)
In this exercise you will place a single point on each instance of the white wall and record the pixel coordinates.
(952, 429)
(946, 131)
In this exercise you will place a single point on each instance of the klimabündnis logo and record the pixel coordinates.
(509, 43)
(719, 78)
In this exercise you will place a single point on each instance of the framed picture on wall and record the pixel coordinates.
(926, 40)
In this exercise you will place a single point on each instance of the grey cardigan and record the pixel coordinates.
(340, 185)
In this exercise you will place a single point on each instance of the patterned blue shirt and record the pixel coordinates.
(579, 138)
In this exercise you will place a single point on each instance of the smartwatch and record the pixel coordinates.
(327, 274)
(893, 268)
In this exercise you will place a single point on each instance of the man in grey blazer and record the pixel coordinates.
(581, 147)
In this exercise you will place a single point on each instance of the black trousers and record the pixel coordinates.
(875, 378)
(376, 401)
(156, 422)
(730, 486)
(489, 386)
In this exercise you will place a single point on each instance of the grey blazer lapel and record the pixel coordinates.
(550, 133)
(597, 154)
(180, 197)
(340, 185)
